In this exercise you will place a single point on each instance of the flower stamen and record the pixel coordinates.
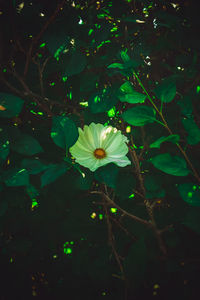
(99, 153)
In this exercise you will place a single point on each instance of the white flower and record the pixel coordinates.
(98, 146)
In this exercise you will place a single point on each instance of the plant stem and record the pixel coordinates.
(112, 203)
(167, 127)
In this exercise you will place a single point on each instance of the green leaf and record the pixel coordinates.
(16, 177)
(185, 104)
(103, 100)
(139, 115)
(127, 94)
(11, 105)
(173, 165)
(166, 90)
(64, 132)
(4, 145)
(174, 138)
(76, 64)
(53, 172)
(190, 193)
(124, 56)
(116, 66)
(107, 174)
(26, 144)
(192, 129)
(135, 262)
(57, 39)
(33, 166)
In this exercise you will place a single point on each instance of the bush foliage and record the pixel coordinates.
(115, 232)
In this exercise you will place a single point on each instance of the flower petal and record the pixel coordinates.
(96, 130)
(121, 162)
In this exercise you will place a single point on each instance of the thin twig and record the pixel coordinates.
(167, 127)
(112, 203)
(112, 242)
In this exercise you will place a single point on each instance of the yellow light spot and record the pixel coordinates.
(99, 153)
(156, 286)
(128, 129)
(113, 210)
(2, 108)
(93, 215)
(140, 22)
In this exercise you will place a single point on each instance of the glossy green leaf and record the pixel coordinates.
(190, 193)
(26, 144)
(76, 64)
(116, 66)
(139, 115)
(166, 90)
(192, 129)
(53, 172)
(174, 138)
(16, 177)
(33, 166)
(173, 165)
(11, 105)
(127, 94)
(124, 56)
(64, 132)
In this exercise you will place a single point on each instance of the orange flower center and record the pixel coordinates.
(99, 153)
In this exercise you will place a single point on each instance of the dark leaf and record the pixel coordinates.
(33, 166)
(139, 115)
(26, 144)
(190, 193)
(127, 94)
(166, 90)
(173, 165)
(192, 129)
(174, 138)
(64, 132)
(76, 64)
(53, 172)
(11, 105)
(16, 177)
